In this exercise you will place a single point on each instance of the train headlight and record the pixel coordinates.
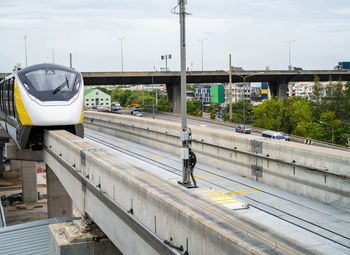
(77, 86)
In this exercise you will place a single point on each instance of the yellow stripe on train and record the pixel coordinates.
(21, 110)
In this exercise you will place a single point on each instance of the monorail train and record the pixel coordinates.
(44, 96)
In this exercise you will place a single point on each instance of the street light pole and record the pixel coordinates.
(290, 55)
(202, 40)
(121, 51)
(230, 89)
(244, 77)
(166, 57)
(25, 48)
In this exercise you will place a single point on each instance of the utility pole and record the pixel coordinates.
(230, 89)
(53, 56)
(184, 134)
(25, 48)
(290, 57)
(202, 40)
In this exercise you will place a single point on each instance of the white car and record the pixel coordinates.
(137, 113)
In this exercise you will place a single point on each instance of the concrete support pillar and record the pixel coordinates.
(76, 238)
(29, 181)
(59, 203)
(174, 96)
(282, 91)
(278, 89)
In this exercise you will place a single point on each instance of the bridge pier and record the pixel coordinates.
(59, 203)
(29, 181)
(278, 89)
(174, 96)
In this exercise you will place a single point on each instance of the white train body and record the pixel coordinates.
(39, 97)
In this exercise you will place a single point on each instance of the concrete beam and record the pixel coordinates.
(29, 182)
(59, 203)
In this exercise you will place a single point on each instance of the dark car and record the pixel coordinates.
(285, 136)
(240, 129)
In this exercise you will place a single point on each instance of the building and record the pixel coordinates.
(95, 96)
(217, 94)
(238, 91)
(203, 94)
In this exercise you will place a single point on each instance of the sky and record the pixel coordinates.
(255, 32)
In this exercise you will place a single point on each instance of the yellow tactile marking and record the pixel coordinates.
(215, 195)
(123, 145)
(157, 157)
(231, 202)
(226, 199)
(204, 175)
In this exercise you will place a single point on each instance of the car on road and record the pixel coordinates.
(137, 113)
(135, 108)
(285, 136)
(240, 129)
(273, 135)
(116, 108)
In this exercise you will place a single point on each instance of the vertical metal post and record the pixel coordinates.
(70, 60)
(202, 40)
(121, 52)
(230, 88)
(186, 181)
(53, 56)
(289, 53)
(25, 48)
(243, 103)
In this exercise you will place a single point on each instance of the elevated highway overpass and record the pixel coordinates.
(277, 79)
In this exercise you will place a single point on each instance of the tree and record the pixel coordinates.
(297, 110)
(124, 97)
(193, 107)
(269, 114)
(105, 90)
(116, 93)
(317, 96)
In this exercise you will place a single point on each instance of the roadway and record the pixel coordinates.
(195, 121)
(301, 220)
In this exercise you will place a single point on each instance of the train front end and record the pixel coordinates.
(48, 96)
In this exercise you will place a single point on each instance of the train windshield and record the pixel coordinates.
(51, 83)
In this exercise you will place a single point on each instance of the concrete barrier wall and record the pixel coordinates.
(322, 174)
(165, 210)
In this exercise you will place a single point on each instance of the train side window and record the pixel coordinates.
(12, 98)
(6, 97)
(9, 97)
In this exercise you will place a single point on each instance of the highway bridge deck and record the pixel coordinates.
(313, 225)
